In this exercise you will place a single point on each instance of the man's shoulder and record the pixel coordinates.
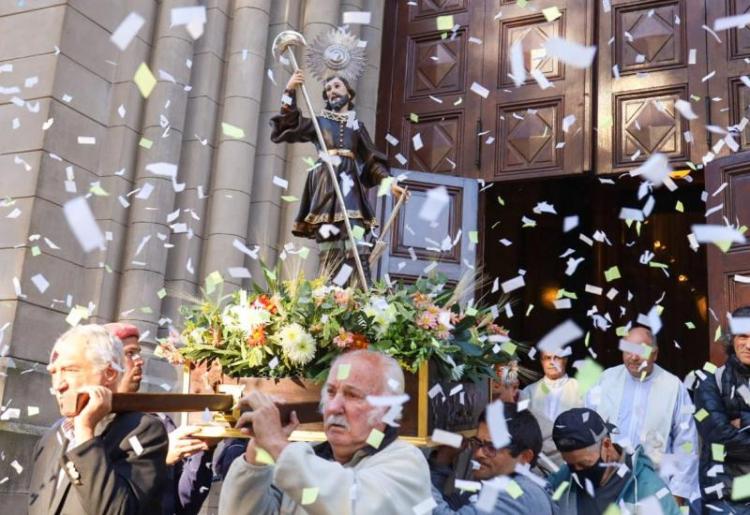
(135, 422)
(612, 372)
(399, 450)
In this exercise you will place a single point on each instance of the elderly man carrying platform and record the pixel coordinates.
(361, 467)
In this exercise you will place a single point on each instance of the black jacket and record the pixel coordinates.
(717, 395)
(109, 474)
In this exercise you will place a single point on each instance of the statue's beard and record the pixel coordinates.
(338, 103)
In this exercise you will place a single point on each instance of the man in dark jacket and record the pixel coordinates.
(95, 462)
(723, 415)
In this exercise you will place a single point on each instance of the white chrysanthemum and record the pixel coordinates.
(245, 318)
(382, 313)
(297, 344)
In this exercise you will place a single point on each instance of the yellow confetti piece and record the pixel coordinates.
(146, 143)
(509, 347)
(690, 325)
(560, 490)
(304, 252)
(342, 371)
(289, 198)
(710, 367)
(77, 314)
(679, 207)
(717, 334)
(35, 250)
(717, 452)
(588, 374)
(741, 487)
(500, 200)
(687, 447)
(97, 190)
(544, 387)
(385, 186)
(445, 22)
(309, 495)
(701, 415)
(232, 131)
(471, 312)
(262, 456)
(358, 232)
(145, 80)
(213, 280)
(621, 331)
(513, 489)
(612, 274)
(375, 438)
(474, 237)
(551, 13)
(161, 293)
(612, 509)
(414, 117)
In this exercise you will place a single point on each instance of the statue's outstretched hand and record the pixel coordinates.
(397, 191)
(297, 79)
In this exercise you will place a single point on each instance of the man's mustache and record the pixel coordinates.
(338, 420)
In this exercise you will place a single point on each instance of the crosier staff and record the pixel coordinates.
(284, 42)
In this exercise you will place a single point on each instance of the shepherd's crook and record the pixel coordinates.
(285, 41)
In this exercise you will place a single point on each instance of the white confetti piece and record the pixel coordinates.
(127, 30)
(541, 79)
(16, 466)
(391, 140)
(136, 445)
(239, 272)
(417, 141)
(656, 169)
(716, 234)
(437, 200)
(732, 22)
(424, 507)
(570, 223)
(497, 426)
(343, 276)
(685, 109)
(40, 282)
(357, 18)
(242, 248)
(594, 290)
(568, 122)
(187, 15)
(269, 73)
(442, 437)
(517, 66)
(281, 183)
(166, 170)
(513, 284)
(480, 90)
(577, 56)
(82, 223)
(559, 337)
(145, 191)
(86, 140)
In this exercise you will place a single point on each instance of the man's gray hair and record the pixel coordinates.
(392, 375)
(102, 348)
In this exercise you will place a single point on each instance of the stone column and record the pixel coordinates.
(147, 243)
(229, 205)
(319, 17)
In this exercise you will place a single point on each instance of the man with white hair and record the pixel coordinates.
(361, 467)
(95, 461)
(652, 408)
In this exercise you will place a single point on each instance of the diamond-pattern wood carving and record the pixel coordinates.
(650, 37)
(646, 123)
(533, 34)
(439, 66)
(529, 137)
(439, 140)
(429, 7)
(739, 105)
(740, 38)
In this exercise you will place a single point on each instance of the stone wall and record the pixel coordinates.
(63, 79)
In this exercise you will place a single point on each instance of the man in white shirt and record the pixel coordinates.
(652, 408)
(554, 393)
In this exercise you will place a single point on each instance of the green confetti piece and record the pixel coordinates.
(513, 489)
(161, 293)
(690, 325)
(262, 456)
(659, 309)
(213, 280)
(717, 452)
(528, 310)
(695, 98)
(679, 207)
(474, 237)
(471, 312)
(35, 250)
(612, 509)
(638, 226)
(414, 117)
(289, 198)
(309, 161)
(588, 374)
(741, 487)
(108, 269)
(544, 387)
(700, 415)
(528, 223)
(375, 438)
(717, 334)
(612, 274)
(304, 252)
(586, 339)
(621, 331)
(385, 186)
(147, 310)
(628, 222)
(358, 232)
(724, 246)
(567, 294)
(500, 200)
(687, 447)
(710, 367)
(656, 264)
(232, 131)
(445, 22)
(145, 80)
(560, 490)
(342, 371)
(309, 495)
(522, 3)
(509, 348)
(146, 143)
(97, 190)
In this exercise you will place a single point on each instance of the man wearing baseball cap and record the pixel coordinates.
(598, 473)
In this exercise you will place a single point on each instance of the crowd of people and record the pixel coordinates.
(640, 441)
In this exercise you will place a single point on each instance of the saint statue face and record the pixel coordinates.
(337, 94)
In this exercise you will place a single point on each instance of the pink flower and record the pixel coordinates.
(344, 340)
(427, 320)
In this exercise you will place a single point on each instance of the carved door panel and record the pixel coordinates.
(728, 60)
(525, 123)
(728, 272)
(651, 54)
(427, 97)
(416, 246)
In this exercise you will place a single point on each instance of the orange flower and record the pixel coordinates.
(257, 338)
(267, 303)
(359, 341)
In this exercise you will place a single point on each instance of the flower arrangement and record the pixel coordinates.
(296, 328)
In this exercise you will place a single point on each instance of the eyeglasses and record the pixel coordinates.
(487, 448)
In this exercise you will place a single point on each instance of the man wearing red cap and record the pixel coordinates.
(188, 458)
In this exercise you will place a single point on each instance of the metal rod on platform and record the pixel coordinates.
(332, 172)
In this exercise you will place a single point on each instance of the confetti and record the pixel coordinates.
(40, 282)
(342, 371)
(357, 18)
(309, 495)
(437, 200)
(444, 23)
(375, 438)
(232, 131)
(612, 274)
(82, 223)
(497, 426)
(127, 30)
(716, 234)
(513, 284)
(551, 13)
(136, 445)
(575, 55)
(424, 507)
(559, 337)
(732, 22)
(442, 437)
(145, 80)
(480, 90)
(685, 109)
(517, 66)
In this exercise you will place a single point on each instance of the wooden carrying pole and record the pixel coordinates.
(332, 172)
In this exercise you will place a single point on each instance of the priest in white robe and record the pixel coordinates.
(652, 408)
(554, 393)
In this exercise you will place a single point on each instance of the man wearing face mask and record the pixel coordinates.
(598, 473)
